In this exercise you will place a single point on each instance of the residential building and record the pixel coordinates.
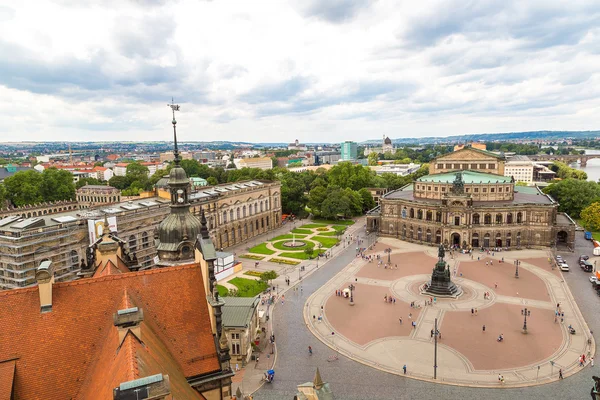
(327, 157)
(120, 169)
(349, 151)
(10, 170)
(258, 162)
(102, 173)
(520, 168)
(240, 323)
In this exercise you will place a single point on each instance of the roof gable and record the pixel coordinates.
(468, 153)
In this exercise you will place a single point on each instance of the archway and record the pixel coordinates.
(486, 240)
(475, 240)
(455, 239)
(498, 240)
(561, 237)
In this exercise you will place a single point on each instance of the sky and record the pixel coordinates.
(312, 70)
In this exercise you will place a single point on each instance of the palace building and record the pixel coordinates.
(467, 201)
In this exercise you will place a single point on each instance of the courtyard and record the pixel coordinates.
(466, 353)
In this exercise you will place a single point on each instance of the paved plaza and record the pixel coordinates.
(370, 332)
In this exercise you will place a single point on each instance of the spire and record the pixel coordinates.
(318, 382)
(204, 228)
(175, 107)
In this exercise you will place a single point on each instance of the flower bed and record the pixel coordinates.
(253, 273)
(279, 245)
(251, 256)
(322, 229)
(282, 261)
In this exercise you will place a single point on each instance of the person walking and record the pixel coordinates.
(483, 329)
(560, 374)
(592, 361)
(400, 319)
(432, 333)
(472, 312)
(404, 369)
(309, 350)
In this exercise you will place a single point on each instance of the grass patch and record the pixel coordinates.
(323, 229)
(287, 236)
(253, 273)
(302, 231)
(596, 236)
(282, 261)
(334, 222)
(310, 226)
(251, 256)
(279, 245)
(326, 241)
(339, 228)
(223, 291)
(261, 249)
(248, 287)
(301, 255)
(328, 233)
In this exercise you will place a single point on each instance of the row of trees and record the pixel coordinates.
(563, 171)
(32, 187)
(574, 195)
(406, 155)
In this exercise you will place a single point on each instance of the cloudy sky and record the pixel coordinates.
(316, 70)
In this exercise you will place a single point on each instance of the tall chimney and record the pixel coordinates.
(44, 275)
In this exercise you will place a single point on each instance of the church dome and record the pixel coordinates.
(178, 176)
(387, 141)
(177, 234)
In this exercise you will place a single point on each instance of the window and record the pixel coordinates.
(244, 211)
(435, 189)
(443, 188)
(429, 216)
(456, 221)
(438, 216)
(74, 258)
(465, 166)
(492, 166)
(145, 242)
(440, 166)
(473, 166)
(482, 166)
(235, 348)
(509, 218)
(456, 166)
(519, 217)
(475, 219)
(266, 204)
(498, 218)
(238, 213)
(476, 190)
(224, 217)
(484, 190)
(132, 242)
(231, 215)
(487, 219)
(428, 187)
(499, 189)
(448, 166)
(467, 190)
(492, 190)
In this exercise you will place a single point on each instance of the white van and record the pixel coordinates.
(563, 267)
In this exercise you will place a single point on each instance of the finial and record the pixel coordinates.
(106, 225)
(175, 107)
(318, 382)
(203, 226)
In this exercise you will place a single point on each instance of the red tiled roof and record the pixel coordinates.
(110, 268)
(72, 337)
(7, 374)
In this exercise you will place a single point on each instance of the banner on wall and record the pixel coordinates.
(96, 227)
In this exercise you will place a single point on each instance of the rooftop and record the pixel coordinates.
(522, 195)
(468, 177)
(238, 311)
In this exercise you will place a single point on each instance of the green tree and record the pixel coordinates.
(373, 158)
(87, 181)
(136, 171)
(590, 217)
(119, 182)
(57, 185)
(367, 199)
(309, 250)
(3, 197)
(268, 276)
(212, 181)
(316, 197)
(574, 195)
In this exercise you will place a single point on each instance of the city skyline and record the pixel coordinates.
(275, 71)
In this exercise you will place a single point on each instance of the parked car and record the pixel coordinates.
(563, 266)
(593, 279)
(584, 257)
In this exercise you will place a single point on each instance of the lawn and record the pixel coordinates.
(326, 241)
(279, 245)
(334, 222)
(287, 236)
(310, 226)
(262, 249)
(302, 231)
(328, 233)
(223, 291)
(248, 287)
(300, 255)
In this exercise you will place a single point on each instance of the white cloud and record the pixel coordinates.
(313, 70)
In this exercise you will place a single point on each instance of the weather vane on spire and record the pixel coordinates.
(174, 107)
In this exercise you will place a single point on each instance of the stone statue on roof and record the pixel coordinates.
(458, 186)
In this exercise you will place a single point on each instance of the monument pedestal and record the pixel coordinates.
(441, 284)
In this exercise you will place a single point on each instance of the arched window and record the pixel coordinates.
(412, 212)
(428, 236)
(246, 229)
(438, 237)
(132, 242)
(519, 218)
(410, 232)
(267, 217)
(475, 240)
(145, 242)
(255, 208)
(475, 219)
(420, 214)
(267, 205)
(231, 215)
(226, 236)
(244, 211)
(262, 223)
(404, 231)
(509, 218)
(276, 202)
(429, 216)
(419, 234)
(239, 233)
(261, 207)
(487, 219)
(224, 217)
(233, 235)
(498, 218)
(256, 224)
(438, 216)
(74, 259)
(238, 213)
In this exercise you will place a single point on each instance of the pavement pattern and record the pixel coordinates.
(353, 381)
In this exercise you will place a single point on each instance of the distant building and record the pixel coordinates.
(327, 157)
(10, 170)
(349, 151)
(168, 156)
(475, 145)
(297, 146)
(398, 169)
(121, 168)
(520, 168)
(387, 147)
(262, 163)
(198, 182)
(95, 195)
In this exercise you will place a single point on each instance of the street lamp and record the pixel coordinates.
(351, 287)
(517, 262)
(525, 313)
(435, 332)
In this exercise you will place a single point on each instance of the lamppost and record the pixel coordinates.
(517, 262)
(525, 313)
(435, 333)
(351, 287)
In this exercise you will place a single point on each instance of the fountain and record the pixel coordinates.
(441, 285)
